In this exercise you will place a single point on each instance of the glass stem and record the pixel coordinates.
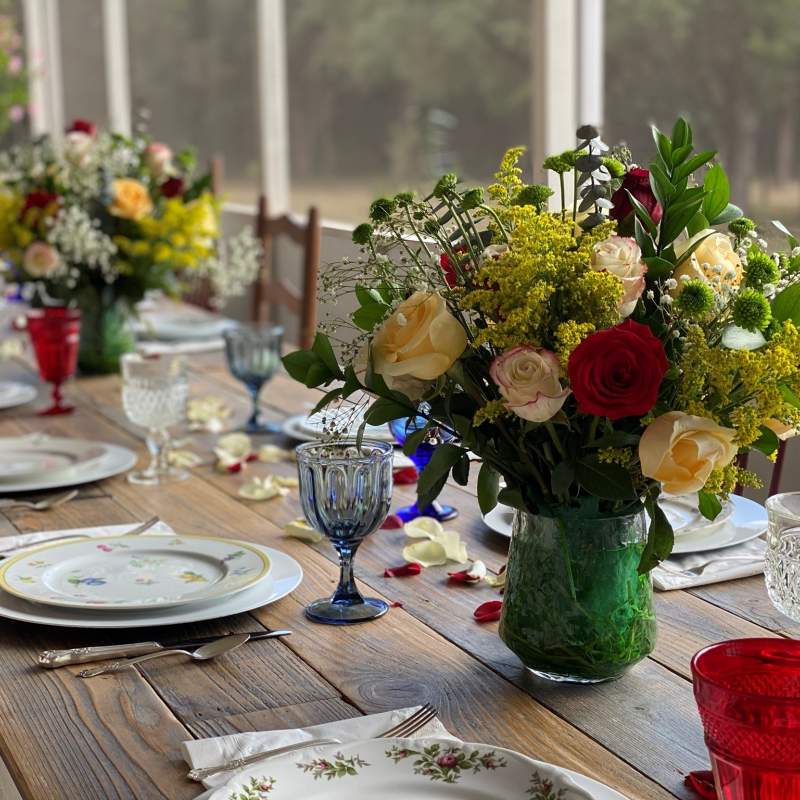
(157, 446)
(346, 591)
(255, 415)
(57, 396)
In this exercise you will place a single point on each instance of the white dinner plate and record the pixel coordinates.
(115, 459)
(119, 573)
(14, 394)
(685, 517)
(177, 326)
(284, 577)
(40, 456)
(297, 428)
(399, 769)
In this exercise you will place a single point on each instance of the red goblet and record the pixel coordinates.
(748, 693)
(55, 333)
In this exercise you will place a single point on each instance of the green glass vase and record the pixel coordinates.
(575, 608)
(106, 335)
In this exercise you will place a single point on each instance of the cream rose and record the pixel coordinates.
(41, 260)
(620, 256)
(131, 199)
(158, 157)
(680, 451)
(421, 340)
(714, 260)
(78, 147)
(528, 380)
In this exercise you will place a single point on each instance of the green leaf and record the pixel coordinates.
(660, 537)
(768, 442)
(643, 238)
(318, 374)
(607, 481)
(461, 470)
(709, 505)
(696, 224)
(694, 163)
(718, 192)
(385, 410)
(786, 304)
(488, 486)
(660, 184)
(562, 477)
(681, 133)
(641, 213)
(299, 362)
(728, 214)
(414, 440)
(367, 296)
(793, 240)
(679, 153)
(512, 497)
(674, 222)
(658, 267)
(327, 398)
(616, 439)
(433, 477)
(663, 145)
(789, 396)
(367, 317)
(322, 347)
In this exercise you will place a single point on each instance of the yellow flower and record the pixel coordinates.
(421, 340)
(131, 199)
(714, 261)
(681, 451)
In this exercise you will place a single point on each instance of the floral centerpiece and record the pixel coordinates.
(102, 219)
(629, 343)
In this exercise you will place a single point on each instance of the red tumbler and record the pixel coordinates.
(55, 333)
(748, 693)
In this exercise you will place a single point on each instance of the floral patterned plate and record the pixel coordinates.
(399, 769)
(121, 573)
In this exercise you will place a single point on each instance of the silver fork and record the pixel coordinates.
(44, 504)
(701, 568)
(421, 717)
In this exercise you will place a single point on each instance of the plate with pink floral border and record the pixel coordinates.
(398, 769)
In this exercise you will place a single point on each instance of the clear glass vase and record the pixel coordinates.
(106, 334)
(575, 608)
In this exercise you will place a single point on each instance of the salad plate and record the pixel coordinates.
(13, 393)
(126, 573)
(39, 455)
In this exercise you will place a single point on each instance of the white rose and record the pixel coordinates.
(41, 260)
(78, 147)
(714, 260)
(158, 157)
(620, 256)
(528, 380)
(493, 252)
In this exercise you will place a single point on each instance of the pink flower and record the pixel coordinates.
(447, 761)
(41, 260)
(16, 113)
(15, 65)
(621, 257)
(158, 158)
(528, 380)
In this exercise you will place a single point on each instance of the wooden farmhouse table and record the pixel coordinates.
(118, 736)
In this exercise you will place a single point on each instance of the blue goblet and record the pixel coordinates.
(253, 353)
(345, 492)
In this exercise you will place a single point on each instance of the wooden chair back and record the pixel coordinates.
(777, 470)
(271, 291)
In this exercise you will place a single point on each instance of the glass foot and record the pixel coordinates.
(152, 478)
(55, 410)
(333, 613)
(557, 678)
(261, 426)
(436, 510)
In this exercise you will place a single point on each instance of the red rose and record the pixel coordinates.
(617, 372)
(637, 182)
(448, 268)
(172, 187)
(83, 126)
(38, 198)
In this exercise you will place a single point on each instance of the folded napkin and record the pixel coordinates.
(9, 543)
(152, 348)
(221, 749)
(728, 563)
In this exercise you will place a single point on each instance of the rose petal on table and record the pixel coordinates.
(10, 348)
(424, 528)
(392, 522)
(497, 581)
(300, 529)
(207, 413)
(403, 571)
(426, 553)
(488, 611)
(272, 454)
(396, 604)
(287, 481)
(184, 459)
(262, 489)
(454, 548)
(472, 575)
(228, 463)
(236, 445)
(405, 476)
(702, 782)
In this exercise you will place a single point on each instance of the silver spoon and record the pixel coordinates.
(204, 653)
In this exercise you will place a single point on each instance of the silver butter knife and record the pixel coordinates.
(50, 659)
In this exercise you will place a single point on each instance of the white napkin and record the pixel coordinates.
(9, 543)
(728, 563)
(221, 749)
(151, 348)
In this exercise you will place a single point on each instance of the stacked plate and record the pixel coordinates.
(38, 461)
(118, 581)
(305, 428)
(13, 394)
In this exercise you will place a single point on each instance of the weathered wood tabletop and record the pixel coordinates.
(119, 736)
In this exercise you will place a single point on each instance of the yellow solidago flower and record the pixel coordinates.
(10, 205)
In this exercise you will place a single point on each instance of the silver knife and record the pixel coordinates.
(50, 659)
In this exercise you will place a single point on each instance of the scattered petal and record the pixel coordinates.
(405, 476)
(426, 553)
(392, 522)
(497, 581)
(402, 572)
(300, 529)
(272, 454)
(396, 604)
(424, 528)
(454, 548)
(488, 611)
(262, 489)
(207, 413)
(288, 481)
(472, 575)
(226, 463)
(235, 444)
(184, 459)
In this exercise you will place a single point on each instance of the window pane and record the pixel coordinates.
(193, 68)
(731, 66)
(83, 61)
(385, 96)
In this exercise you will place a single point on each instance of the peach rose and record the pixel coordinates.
(680, 451)
(714, 260)
(41, 260)
(131, 199)
(528, 379)
(621, 256)
(421, 340)
(158, 157)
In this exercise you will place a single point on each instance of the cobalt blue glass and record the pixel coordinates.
(253, 353)
(401, 429)
(345, 492)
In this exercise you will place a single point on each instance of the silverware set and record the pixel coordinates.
(43, 504)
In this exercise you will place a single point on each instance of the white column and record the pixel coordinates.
(590, 62)
(554, 103)
(273, 103)
(118, 80)
(43, 55)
